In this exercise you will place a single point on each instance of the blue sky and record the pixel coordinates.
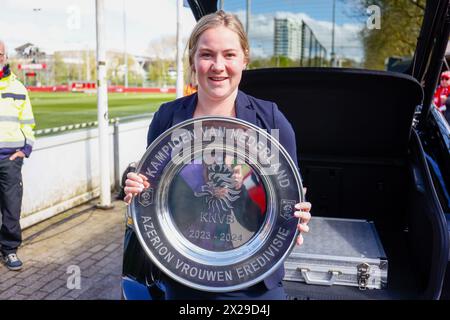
(70, 24)
(316, 9)
(316, 13)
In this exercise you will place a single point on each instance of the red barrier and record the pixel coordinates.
(62, 88)
(111, 89)
(140, 89)
(151, 90)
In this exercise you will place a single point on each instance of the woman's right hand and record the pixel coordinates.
(134, 185)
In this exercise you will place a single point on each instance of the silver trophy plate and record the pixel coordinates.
(219, 213)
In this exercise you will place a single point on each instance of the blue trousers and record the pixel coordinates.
(10, 204)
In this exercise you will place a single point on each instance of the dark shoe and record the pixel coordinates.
(12, 261)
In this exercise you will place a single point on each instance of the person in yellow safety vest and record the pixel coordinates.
(16, 143)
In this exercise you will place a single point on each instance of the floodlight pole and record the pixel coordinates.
(88, 64)
(180, 75)
(125, 54)
(102, 108)
(333, 53)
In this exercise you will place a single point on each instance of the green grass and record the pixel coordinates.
(61, 108)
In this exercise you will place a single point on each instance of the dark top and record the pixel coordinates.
(447, 111)
(264, 114)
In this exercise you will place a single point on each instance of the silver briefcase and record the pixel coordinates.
(339, 252)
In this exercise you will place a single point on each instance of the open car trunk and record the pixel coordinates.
(360, 159)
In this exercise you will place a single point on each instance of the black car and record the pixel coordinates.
(370, 146)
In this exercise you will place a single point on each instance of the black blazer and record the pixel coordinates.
(264, 114)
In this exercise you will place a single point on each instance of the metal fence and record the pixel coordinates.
(91, 124)
(64, 168)
(313, 53)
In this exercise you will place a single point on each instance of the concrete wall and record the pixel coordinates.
(63, 170)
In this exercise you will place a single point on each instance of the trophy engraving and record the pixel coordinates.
(146, 197)
(219, 214)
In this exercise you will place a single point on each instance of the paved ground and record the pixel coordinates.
(86, 239)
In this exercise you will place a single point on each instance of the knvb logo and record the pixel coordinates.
(287, 208)
(220, 190)
(74, 278)
(146, 197)
(374, 20)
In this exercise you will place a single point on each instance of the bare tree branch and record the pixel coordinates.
(418, 4)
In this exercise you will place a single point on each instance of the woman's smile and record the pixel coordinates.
(219, 62)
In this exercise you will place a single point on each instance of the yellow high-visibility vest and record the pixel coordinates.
(16, 115)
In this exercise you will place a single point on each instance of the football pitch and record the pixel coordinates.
(64, 108)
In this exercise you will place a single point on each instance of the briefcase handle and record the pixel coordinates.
(324, 282)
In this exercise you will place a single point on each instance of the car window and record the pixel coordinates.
(367, 34)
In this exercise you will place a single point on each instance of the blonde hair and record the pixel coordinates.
(214, 20)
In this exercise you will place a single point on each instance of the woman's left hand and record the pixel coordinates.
(302, 212)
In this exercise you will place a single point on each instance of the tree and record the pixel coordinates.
(116, 69)
(400, 26)
(158, 72)
(89, 69)
(285, 62)
(163, 51)
(60, 69)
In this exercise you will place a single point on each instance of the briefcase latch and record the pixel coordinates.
(363, 275)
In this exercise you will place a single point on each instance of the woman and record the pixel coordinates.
(442, 92)
(218, 53)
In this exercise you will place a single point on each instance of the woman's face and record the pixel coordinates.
(219, 62)
(3, 57)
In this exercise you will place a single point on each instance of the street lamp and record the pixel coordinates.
(35, 56)
(333, 54)
(125, 55)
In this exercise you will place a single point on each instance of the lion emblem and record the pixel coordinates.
(220, 191)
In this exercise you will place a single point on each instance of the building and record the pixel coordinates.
(31, 64)
(288, 38)
(37, 68)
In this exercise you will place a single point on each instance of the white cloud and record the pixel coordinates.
(347, 41)
(52, 26)
(147, 20)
